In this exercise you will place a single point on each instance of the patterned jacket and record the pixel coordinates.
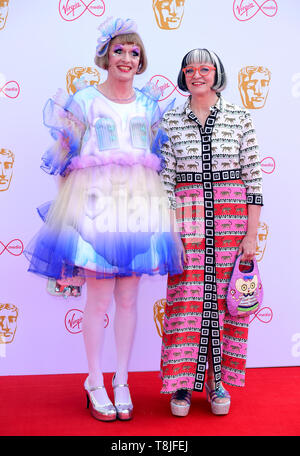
(233, 145)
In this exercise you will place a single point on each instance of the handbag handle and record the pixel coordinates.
(253, 264)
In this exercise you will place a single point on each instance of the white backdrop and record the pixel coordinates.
(40, 41)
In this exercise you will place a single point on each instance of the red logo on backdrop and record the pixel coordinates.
(264, 315)
(10, 89)
(14, 247)
(73, 321)
(268, 165)
(165, 86)
(70, 10)
(244, 10)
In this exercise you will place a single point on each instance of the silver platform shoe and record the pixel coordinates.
(106, 412)
(124, 411)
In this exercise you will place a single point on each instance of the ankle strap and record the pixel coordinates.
(94, 388)
(119, 386)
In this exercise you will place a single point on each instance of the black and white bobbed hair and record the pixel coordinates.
(203, 56)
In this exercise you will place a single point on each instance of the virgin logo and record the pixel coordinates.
(268, 165)
(10, 89)
(165, 86)
(244, 10)
(70, 10)
(264, 315)
(73, 321)
(14, 247)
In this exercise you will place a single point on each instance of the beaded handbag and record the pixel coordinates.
(245, 290)
(70, 286)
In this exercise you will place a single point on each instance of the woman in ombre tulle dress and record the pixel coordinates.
(110, 221)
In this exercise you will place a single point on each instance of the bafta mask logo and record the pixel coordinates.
(254, 84)
(262, 235)
(80, 77)
(8, 323)
(168, 13)
(7, 159)
(158, 314)
(3, 13)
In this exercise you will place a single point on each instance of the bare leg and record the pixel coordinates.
(99, 296)
(126, 291)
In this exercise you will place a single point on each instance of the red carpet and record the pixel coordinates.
(54, 405)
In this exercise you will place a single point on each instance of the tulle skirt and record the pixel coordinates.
(106, 221)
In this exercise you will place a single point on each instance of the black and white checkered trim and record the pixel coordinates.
(216, 176)
(254, 198)
(210, 317)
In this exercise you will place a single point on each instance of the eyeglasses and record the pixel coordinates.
(203, 70)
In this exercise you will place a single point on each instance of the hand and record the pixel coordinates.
(247, 247)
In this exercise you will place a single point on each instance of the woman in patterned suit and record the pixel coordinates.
(214, 183)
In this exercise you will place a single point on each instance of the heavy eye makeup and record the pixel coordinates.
(135, 51)
(118, 49)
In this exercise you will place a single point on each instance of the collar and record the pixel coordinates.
(219, 105)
